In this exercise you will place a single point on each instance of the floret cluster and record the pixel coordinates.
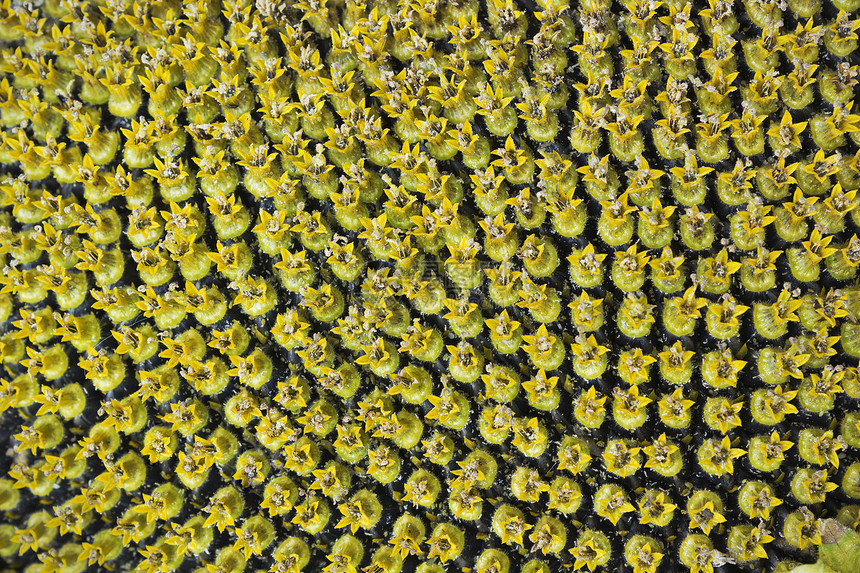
(428, 285)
